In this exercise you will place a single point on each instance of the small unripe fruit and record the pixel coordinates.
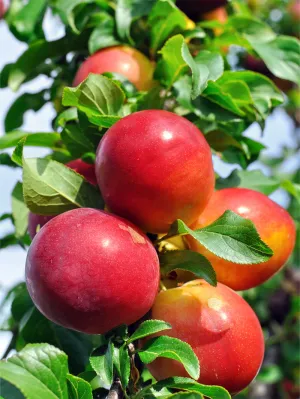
(124, 60)
(91, 271)
(220, 326)
(36, 222)
(220, 15)
(154, 167)
(273, 223)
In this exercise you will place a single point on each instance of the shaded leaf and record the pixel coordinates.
(27, 101)
(45, 194)
(20, 211)
(189, 261)
(177, 59)
(33, 139)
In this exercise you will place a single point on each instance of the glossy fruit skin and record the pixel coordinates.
(154, 167)
(91, 271)
(220, 326)
(127, 61)
(81, 167)
(273, 223)
(194, 8)
(84, 169)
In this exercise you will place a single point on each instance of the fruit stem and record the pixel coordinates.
(162, 286)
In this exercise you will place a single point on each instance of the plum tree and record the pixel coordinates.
(220, 326)
(81, 267)
(124, 60)
(196, 7)
(273, 223)
(79, 166)
(160, 165)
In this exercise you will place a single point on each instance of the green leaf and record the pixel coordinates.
(36, 54)
(21, 303)
(50, 140)
(217, 94)
(104, 34)
(75, 140)
(25, 20)
(210, 391)
(27, 101)
(190, 261)
(211, 66)
(281, 55)
(122, 364)
(5, 216)
(101, 361)
(149, 327)
(9, 391)
(230, 237)
(35, 328)
(186, 395)
(171, 348)
(79, 388)
(264, 93)
(98, 97)
(76, 345)
(19, 211)
(270, 374)
(252, 179)
(220, 141)
(252, 27)
(66, 10)
(38, 371)
(292, 188)
(45, 194)
(8, 240)
(17, 155)
(151, 99)
(177, 59)
(129, 10)
(164, 19)
(5, 160)
(68, 115)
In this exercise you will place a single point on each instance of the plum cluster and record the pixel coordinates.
(92, 270)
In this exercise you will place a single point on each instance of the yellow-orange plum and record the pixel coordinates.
(273, 223)
(220, 326)
(124, 60)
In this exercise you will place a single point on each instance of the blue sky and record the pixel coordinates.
(12, 260)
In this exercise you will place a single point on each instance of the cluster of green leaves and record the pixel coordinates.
(74, 365)
(194, 79)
